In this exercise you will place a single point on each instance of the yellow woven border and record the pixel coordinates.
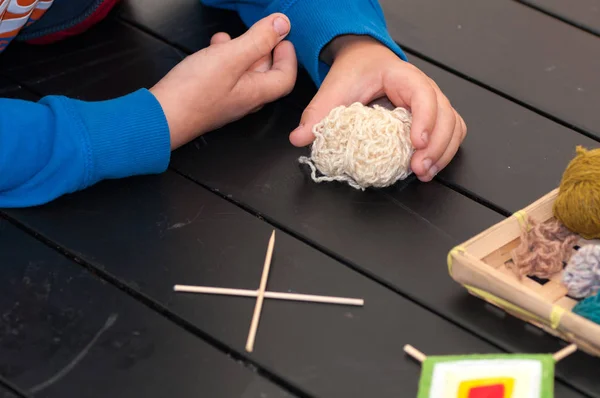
(556, 315)
(521, 216)
(556, 312)
(452, 252)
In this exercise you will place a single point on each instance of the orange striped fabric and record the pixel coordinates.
(16, 14)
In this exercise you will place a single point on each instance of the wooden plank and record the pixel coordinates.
(253, 163)
(206, 20)
(582, 13)
(155, 232)
(400, 235)
(6, 393)
(66, 333)
(10, 90)
(521, 152)
(118, 54)
(531, 57)
(512, 156)
(5, 84)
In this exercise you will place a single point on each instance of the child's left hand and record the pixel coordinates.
(364, 70)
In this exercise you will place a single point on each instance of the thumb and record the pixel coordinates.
(328, 97)
(259, 41)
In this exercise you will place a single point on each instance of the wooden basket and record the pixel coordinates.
(482, 266)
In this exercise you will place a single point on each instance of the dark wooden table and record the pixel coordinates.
(87, 307)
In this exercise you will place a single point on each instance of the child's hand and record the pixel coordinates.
(364, 70)
(227, 80)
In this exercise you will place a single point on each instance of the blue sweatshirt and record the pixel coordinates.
(60, 145)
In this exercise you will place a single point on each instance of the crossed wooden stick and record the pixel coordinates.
(557, 356)
(261, 294)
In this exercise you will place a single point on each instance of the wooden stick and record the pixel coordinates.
(261, 294)
(413, 352)
(565, 352)
(272, 295)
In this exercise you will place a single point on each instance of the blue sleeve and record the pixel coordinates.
(316, 22)
(60, 145)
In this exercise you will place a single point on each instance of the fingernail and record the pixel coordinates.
(424, 137)
(281, 26)
(427, 164)
(433, 171)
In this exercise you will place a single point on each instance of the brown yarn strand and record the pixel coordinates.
(543, 249)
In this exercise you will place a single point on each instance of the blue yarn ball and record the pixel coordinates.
(589, 308)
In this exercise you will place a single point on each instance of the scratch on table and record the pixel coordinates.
(255, 389)
(187, 222)
(180, 54)
(63, 372)
(200, 142)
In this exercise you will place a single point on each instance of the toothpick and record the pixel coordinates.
(261, 294)
(565, 352)
(413, 352)
(559, 355)
(272, 295)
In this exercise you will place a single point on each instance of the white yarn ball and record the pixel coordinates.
(363, 146)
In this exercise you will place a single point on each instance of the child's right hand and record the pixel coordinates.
(226, 81)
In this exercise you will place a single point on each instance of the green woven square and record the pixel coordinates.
(466, 376)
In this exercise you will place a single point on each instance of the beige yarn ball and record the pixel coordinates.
(363, 146)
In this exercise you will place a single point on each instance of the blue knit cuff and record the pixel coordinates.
(127, 136)
(316, 22)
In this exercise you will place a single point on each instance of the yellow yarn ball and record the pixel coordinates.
(577, 205)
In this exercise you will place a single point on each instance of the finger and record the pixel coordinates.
(413, 91)
(259, 88)
(262, 65)
(219, 38)
(331, 94)
(257, 43)
(464, 128)
(424, 161)
(452, 149)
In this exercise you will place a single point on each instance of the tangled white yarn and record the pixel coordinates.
(363, 146)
